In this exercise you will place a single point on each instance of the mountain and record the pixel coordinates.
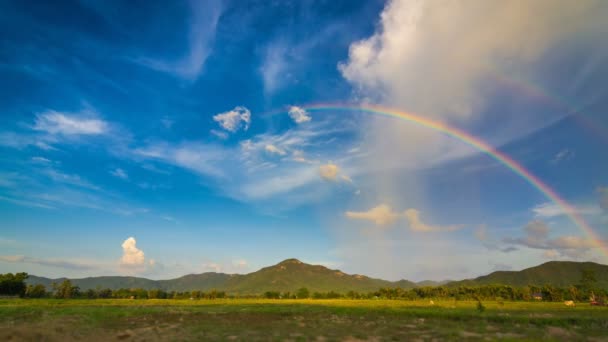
(292, 274)
(288, 275)
(555, 273)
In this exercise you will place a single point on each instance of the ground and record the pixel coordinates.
(296, 320)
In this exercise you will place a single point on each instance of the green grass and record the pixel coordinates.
(264, 319)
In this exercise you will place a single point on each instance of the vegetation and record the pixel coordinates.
(13, 284)
(292, 274)
(301, 319)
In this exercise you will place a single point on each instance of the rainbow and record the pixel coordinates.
(480, 145)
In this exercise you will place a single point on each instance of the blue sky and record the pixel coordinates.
(158, 139)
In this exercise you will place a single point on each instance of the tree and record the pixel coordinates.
(66, 290)
(588, 281)
(35, 291)
(13, 284)
(303, 293)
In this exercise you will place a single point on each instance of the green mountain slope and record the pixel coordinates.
(555, 273)
(292, 274)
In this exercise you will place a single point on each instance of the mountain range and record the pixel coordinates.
(292, 274)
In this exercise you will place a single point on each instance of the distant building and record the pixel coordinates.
(537, 296)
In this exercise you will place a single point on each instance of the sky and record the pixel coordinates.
(158, 139)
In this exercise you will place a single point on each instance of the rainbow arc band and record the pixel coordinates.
(480, 145)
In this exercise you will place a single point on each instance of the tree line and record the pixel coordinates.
(15, 285)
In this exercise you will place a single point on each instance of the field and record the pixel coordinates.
(296, 320)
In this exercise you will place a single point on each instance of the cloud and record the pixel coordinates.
(298, 115)
(26, 203)
(274, 67)
(230, 267)
(65, 264)
(220, 134)
(41, 160)
(381, 215)
(274, 150)
(232, 121)
(549, 209)
(329, 171)
(131, 255)
(198, 157)
(67, 124)
(120, 173)
(203, 25)
(551, 254)
(537, 237)
(603, 192)
(501, 267)
(440, 60)
(430, 56)
(562, 155)
(413, 218)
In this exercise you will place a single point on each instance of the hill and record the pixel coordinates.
(288, 275)
(555, 273)
(292, 274)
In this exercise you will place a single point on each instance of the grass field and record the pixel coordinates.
(296, 320)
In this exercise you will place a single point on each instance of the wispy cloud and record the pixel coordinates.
(84, 123)
(59, 263)
(548, 210)
(119, 173)
(205, 16)
(563, 155)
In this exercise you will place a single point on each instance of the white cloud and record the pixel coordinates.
(298, 115)
(274, 67)
(233, 120)
(204, 19)
(549, 209)
(131, 255)
(381, 215)
(41, 160)
(274, 150)
(120, 173)
(413, 218)
(220, 134)
(430, 56)
(84, 123)
(440, 60)
(563, 155)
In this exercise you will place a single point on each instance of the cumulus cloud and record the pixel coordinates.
(85, 123)
(431, 55)
(537, 236)
(329, 171)
(381, 215)
(298, 115)
(413, 218)
(120, 173)
(233, 120)
(274, 150)
(131, 255)
(384, 214)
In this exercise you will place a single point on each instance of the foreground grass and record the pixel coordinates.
(260, 319)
